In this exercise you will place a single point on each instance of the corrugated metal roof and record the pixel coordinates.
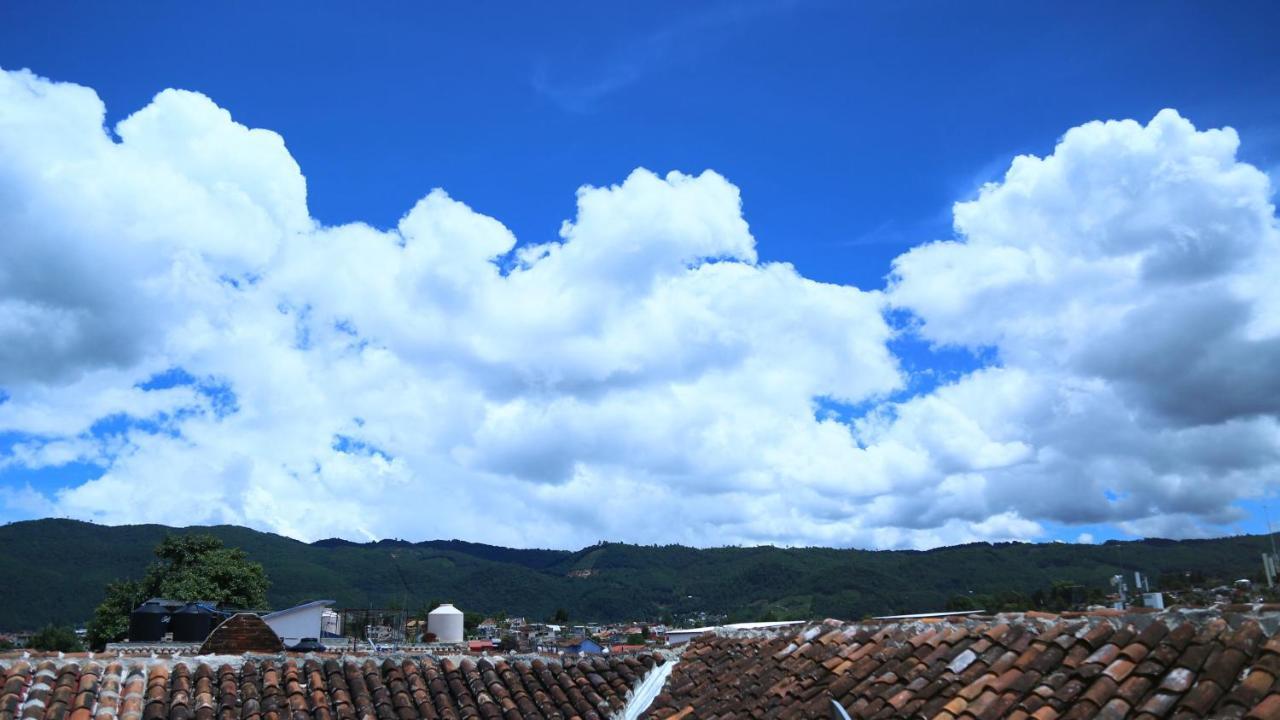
(303, 606)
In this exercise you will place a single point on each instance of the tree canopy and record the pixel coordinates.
(187, 568)
(55, 638)
(200, 567)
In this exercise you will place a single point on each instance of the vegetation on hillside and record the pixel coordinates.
(609, 581)
(55, 638)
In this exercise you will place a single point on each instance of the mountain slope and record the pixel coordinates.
(55, 571)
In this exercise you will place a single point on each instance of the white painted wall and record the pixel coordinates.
(294, 624)
(643, 696)
(676, 637)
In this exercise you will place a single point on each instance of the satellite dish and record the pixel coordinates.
(837, 712)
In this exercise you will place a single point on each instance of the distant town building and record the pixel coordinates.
(586, 646)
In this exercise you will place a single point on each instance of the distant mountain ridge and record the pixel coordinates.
(533, 558)
(55, 571)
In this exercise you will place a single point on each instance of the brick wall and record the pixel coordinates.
(242, 633)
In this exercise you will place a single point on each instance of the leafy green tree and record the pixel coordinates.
(110, 621)
(561, 616)
(199, 567)
(187, 568)
(55, 638)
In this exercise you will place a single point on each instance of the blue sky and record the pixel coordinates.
(850, 129)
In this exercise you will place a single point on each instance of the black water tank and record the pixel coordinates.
(148, 622)
(192, 623)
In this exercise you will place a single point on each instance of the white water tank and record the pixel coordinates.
(445, 622)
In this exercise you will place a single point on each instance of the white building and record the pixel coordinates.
(302, 621)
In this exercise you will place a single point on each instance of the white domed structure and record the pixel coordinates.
(445, 622)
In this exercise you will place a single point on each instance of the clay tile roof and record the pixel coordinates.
(294, 688)
(1036, 665)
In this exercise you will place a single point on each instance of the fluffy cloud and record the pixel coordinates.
(1120, 282)
(170, 313)
(108, 243)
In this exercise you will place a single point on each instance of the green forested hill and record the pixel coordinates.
(55, 570)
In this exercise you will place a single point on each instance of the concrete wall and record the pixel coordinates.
(294, 625)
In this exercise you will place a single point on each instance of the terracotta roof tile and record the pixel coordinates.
(311, 689)
(1045, 713)
(1119, 670)
(1268, 709)
(1202, 698)
(1134, 689)
(1029, 666)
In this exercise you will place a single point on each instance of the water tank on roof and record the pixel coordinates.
(148, 622)
(445, 622)
(191, 623)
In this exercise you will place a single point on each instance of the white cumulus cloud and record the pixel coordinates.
(1120, 282)
(171, 313)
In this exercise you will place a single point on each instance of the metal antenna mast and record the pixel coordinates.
(1270, 533)
(1269, 561)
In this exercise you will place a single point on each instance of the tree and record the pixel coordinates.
(187, 568)
(110, 621)
(199, 567)
(55, 638)
(561, 616)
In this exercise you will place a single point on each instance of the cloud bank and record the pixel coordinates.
(172, 316)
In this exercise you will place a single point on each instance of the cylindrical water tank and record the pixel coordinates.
(148, 622)
(191, 623)
(445, 622)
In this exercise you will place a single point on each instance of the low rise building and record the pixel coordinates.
(300, 621)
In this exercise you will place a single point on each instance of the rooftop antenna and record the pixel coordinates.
(1270, 534)
(1270, 564)
(1117, 581)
